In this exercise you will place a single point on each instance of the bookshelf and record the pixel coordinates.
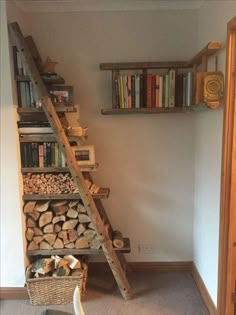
(62, 206)
(160, 87)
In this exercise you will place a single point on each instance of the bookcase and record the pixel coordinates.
(42, 161)
(165, 87)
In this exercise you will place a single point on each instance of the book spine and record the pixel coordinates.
(59, 156)
(172, 88)
(161, 91)
(18, 87)
(125, 88)
(157, 90)
(137, 91)
(141, 91)
(166, 90)
(19, 63)
(22, 154)
(153, 90)
(129, 91)
(41, 155)
(122, 92)
(23, 94)
(133, 91)
(117, 100)
(14, 52)
(56, 154)
(149, 91)
(27, 94)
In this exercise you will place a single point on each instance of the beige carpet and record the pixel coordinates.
(156, 294)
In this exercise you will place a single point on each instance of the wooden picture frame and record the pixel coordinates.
(61, 95)
(84, 154)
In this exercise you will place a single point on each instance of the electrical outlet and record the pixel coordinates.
(148, 249)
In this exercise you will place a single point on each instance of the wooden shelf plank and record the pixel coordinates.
(85, 251)
(210, 49)
(59, 109)
(144, 65)
(84, 168)
(161, 110)
(37, 138)
(103, 193)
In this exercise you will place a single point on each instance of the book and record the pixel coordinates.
(133, 91)
(179, 90)
(160, 91)
(137, 91)
(141, 91)
(149, 90)
(35, 130)
(157, 90)
(129, 91)
(167, 90)
(171, 88)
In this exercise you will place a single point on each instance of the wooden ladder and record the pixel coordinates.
(94, 208)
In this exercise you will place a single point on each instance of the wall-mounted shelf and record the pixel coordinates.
(83, 168)
(59, 109)
(164, 110)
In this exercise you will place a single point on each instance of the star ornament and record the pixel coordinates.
(49, 66)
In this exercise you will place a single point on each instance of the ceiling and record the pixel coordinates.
(105, 5)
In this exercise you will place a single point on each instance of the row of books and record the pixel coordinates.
(26, 95)
(154, 90)
(46, 154)
(34, 128)
(19, 65)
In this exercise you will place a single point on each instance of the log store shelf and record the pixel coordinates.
(103, 193)
(86, 251)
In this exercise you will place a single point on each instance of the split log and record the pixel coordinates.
(62, 271)
(50, 238)
(32, 246)
(69, 225)
(81, 243)
(117, 240)
(81, 208)
(29, 234)
(81, 228)
(70, 246)
(29, 206)
(37, 239)
(43, 265)
(34, 215)
(91, 226)
(45, 245)
(38, 231)
(30, 223)
(58, 219)
(95, 244)
(72, 214)
(59, 208)
(73, 262)
(57, 227)
(63, 236)
(48, 228)
(89, 235)
(42, 206)
(73, 203)
(45, 218)
(84, 218)
(72, 235)
(58, 244)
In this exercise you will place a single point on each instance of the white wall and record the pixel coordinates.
(12, 258)
(212, 20)
(145, 160)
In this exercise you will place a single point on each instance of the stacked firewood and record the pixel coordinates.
(58, 225)
(57, 266)
(51, 183)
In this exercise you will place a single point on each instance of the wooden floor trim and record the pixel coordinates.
(13, 293)
(203, 290)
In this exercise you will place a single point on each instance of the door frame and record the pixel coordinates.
(227, 256)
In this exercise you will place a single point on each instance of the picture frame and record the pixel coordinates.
(84, 154)
(61, 95)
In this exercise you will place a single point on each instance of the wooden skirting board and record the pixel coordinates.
(186, 266)
(203, 290)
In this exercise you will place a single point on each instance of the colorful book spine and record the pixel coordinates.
(161, 91)
(149, 90)
(141, 91)
(129, 91)
(172, 88)
(157, 90)
(166, 90)
(133, 91)
(137, 91)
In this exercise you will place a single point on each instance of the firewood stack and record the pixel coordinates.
(50, 183)
(58, 225)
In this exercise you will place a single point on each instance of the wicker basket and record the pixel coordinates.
(55, 290)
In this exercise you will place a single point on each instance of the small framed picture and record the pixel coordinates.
(61, 95)
(84, 154)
